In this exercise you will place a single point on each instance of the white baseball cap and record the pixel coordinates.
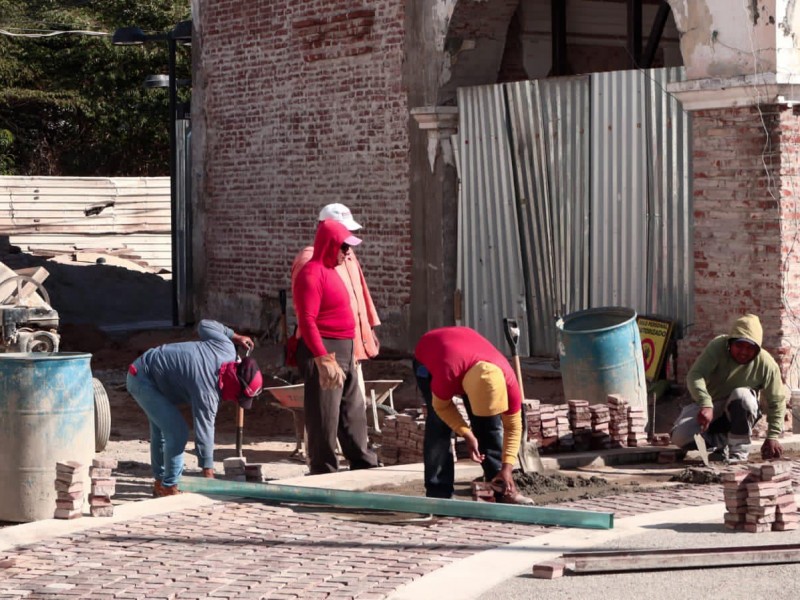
(339, 212)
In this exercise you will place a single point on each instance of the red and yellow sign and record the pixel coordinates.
(655, 334)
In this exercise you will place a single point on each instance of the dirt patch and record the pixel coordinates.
(697, 475)
(547, 488)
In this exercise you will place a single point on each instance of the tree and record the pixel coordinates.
(74, 104)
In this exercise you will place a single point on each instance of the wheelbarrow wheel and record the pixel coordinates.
(102, 416)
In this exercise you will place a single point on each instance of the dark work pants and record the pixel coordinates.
(334, 413)
(439, 467)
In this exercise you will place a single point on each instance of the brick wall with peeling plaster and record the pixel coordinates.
(320, 116)
(746, 237)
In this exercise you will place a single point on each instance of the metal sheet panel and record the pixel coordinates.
(491, 276)
(549, 131)
(61, 214)
(641, 198)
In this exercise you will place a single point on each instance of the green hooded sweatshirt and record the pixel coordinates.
(714, 375)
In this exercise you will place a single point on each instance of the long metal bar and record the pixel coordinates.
(563, 517)
(558, 20)
(680, 558)
(173, 182)
(635, 33)
(656, 31)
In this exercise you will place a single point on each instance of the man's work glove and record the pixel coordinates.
(331, 375)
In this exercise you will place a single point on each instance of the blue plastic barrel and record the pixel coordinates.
(601, 354)
(46, 416)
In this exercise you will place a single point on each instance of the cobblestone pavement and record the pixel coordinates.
(248, 550)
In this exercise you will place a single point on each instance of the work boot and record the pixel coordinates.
(515, 498)
(160, 490)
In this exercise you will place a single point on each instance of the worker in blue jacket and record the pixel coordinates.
(199, 374)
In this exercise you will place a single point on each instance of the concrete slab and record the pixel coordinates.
(469, 578)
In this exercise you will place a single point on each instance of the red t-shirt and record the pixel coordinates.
(449, 352)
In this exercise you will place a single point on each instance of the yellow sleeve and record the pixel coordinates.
(512, 434)
(448, 413)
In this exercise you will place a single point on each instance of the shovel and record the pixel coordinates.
(528, 455)
(240, 423)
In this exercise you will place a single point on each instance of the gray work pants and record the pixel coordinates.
(731, 425)
(334, 413)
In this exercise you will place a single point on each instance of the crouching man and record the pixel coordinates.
(725, 382)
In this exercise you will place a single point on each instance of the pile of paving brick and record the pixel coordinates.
(572, 426)
(760, 498)
(580, 426)
(103, 487)
(238, 469)
(402, 437)
(70, 490)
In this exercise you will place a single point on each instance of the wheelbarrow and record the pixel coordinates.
(378, 393)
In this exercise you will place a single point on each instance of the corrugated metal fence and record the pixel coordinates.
(64, 214)
(575, 193)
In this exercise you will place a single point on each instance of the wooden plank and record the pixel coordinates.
(681, 558)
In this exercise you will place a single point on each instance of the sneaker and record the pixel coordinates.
(718, 455)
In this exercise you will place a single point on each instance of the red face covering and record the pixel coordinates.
(229, 383)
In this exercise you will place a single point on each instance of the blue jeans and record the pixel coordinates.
(439, 467)
(168, 429)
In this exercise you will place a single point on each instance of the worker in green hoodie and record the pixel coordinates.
(725, 382)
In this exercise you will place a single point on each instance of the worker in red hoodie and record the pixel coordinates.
(325, 357)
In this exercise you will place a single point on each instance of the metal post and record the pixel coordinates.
(173, 181)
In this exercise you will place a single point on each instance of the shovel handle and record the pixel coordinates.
(239, 430)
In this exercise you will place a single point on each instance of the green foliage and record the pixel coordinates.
(74, 104)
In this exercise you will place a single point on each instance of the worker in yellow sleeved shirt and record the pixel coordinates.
(458, 361)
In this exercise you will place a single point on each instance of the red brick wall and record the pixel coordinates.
(304, 105)
(745, 233)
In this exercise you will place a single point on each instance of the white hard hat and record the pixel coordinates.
(339, 212)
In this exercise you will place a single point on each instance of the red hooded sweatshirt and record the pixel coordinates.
(321, 300)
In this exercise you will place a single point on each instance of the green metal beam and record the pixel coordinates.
(563, 517)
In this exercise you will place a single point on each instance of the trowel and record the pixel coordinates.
(701, 449)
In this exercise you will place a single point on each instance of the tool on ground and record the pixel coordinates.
(284, 324)
(564, 517)
(701, 448)
(240, 421)
(528, 455)
(680, 558)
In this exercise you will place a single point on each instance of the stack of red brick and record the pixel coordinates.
(402, 438)
(579, 426)
(601, 418)
(760, 498)
(69, 490)
(103, 487)
(580, 420)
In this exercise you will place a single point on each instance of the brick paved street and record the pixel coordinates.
(250, 550)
